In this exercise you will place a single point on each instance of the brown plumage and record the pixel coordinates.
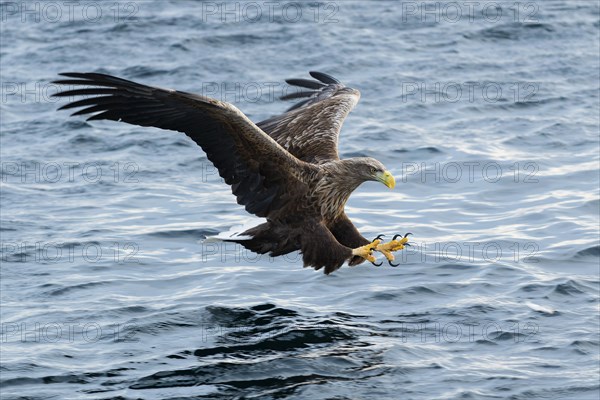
(285, 169)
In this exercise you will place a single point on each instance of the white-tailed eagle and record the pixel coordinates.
(286, 169)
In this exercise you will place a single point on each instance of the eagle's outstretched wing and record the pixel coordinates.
(262, 174)
(310, 129)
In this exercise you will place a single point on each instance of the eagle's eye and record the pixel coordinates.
(373, 170)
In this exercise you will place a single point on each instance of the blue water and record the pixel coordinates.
(488, 116)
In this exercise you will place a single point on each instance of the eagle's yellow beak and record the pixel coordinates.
(387, 179)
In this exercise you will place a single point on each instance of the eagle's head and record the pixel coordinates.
(362, 169)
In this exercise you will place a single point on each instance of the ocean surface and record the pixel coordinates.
(487, 113)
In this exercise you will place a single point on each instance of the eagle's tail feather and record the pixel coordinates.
(263, 239)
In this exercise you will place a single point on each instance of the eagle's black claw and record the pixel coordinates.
(377, 265)
(379, 237)
(398, 235)
(392, 264)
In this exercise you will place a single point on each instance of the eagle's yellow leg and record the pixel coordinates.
(393, 245)
(366, 251)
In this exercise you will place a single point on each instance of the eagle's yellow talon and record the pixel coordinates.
(388, 255)
(366, 251)
(393, 245)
